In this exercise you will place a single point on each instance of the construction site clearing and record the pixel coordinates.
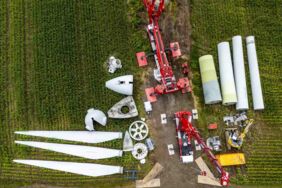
(137, 139)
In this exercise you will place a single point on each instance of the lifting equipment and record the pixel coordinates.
(163, 72)
(185, 127)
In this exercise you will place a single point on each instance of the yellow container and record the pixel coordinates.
(231, 159)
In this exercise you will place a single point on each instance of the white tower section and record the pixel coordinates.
(254, 74)
(239, 73)
(226, 74)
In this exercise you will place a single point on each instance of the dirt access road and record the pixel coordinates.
(175, 24)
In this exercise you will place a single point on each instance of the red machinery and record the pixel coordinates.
(185, 127)
(163, 72)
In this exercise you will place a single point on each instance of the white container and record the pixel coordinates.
(254, 74)
(239, 73)
(226, 74)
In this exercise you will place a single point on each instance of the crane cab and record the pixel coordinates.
(185, 147)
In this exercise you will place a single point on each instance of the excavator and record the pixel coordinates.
(186, 131)
(234, 138)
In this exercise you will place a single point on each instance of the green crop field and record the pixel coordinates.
(215, 21)
(52, 56)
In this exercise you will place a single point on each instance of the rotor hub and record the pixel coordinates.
(138, 130)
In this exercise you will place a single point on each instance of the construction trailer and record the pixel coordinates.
(163, 72)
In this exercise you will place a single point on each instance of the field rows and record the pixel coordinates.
(218, 21)
(52, 70)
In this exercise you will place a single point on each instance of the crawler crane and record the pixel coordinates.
(185, 128)
(163, 71)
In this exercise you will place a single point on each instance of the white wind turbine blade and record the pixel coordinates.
(86, 169)
(78, 136)
(88, 152)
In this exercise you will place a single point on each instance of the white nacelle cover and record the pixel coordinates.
(121, 84)
(96, 115)
(86, 169)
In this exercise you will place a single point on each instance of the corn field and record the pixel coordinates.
(215, 21)
(52, 56)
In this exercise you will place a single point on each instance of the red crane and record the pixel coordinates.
(186, 130)
(163, 72)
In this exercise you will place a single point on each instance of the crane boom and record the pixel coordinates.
(184, 121)
(163, 72)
